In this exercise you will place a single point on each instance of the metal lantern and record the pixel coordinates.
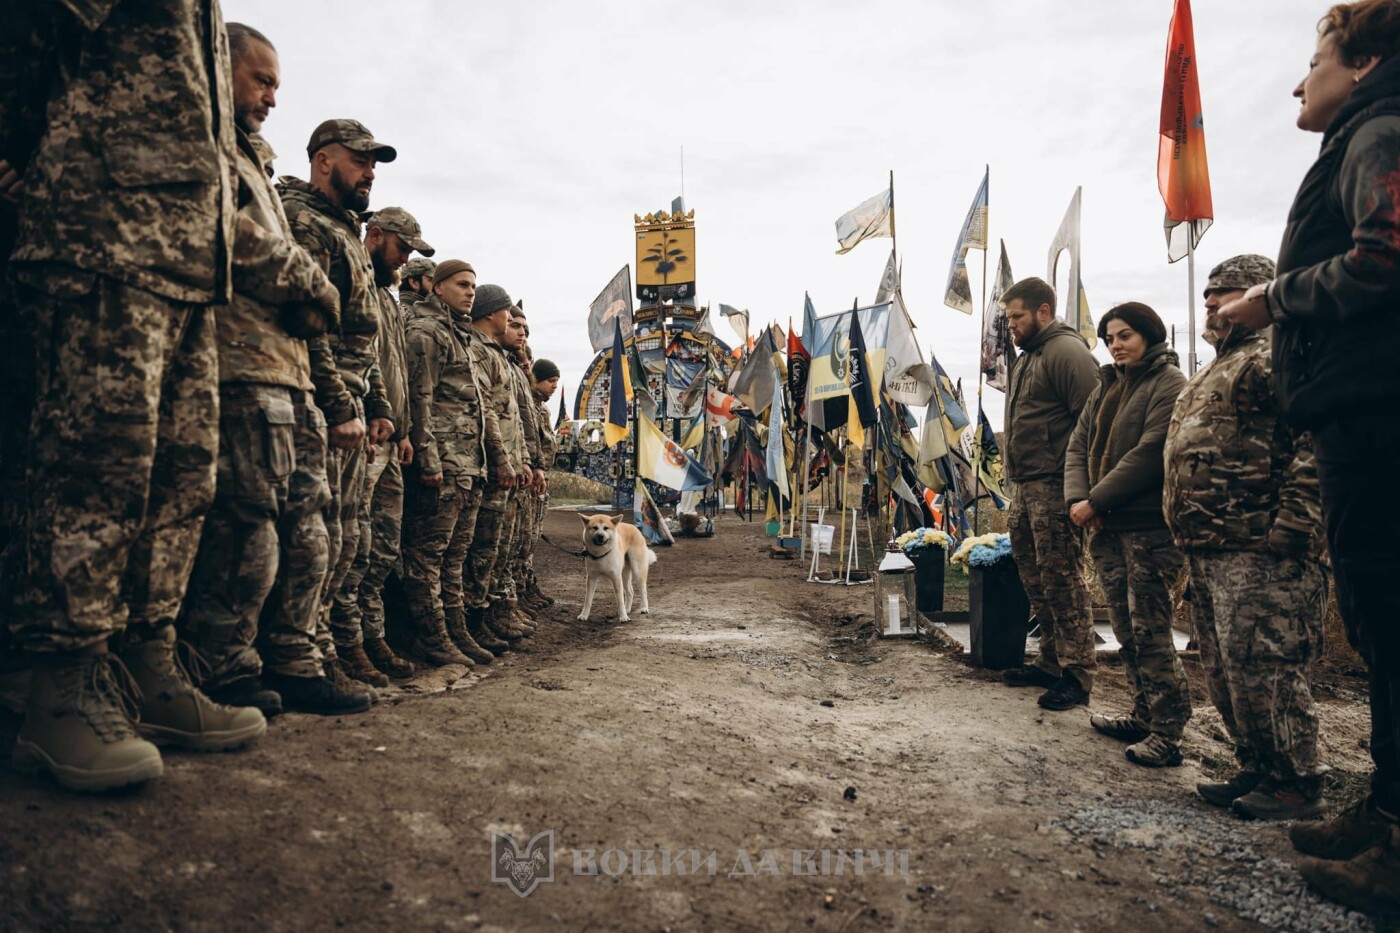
(896, 599)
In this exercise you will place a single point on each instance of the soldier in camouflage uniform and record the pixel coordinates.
(1049, 383)
(545, 375)
(325, 219)
(125, 240)
(391, 236)
(265, 527)
(1242, 500)
(1113, 489)
(456, 440)
(415, 285)
(491, 320)
(521, 438)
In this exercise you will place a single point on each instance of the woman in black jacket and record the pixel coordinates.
(1335, 307)
(1114, 476)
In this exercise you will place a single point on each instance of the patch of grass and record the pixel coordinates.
(572, 489)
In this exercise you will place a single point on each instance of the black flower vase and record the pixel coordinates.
(929, 565)
(998, 612)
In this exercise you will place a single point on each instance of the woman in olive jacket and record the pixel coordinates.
(1113, 488)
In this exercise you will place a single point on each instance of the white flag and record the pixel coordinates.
(872, 217)
(1076, 305)
(889, 282)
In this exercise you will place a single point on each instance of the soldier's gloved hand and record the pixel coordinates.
(305, 320)
(347, 435)
(1285, 542)
(433, 480)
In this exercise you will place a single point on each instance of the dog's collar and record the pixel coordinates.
(591, 556)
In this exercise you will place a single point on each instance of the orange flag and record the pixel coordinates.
(1182, 175)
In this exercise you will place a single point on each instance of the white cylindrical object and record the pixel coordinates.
(892, 626)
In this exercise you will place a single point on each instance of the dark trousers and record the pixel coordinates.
(1356, 458)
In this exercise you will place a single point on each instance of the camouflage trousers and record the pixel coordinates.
(264, 533)
(1049, 552)
(345, 471)
(1137, 570)
(481, 576)
(1258, 620)
(440, 525)
(381, 536)
(122, 449)
(534, 509)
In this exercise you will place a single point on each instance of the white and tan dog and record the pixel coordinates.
(618, 553)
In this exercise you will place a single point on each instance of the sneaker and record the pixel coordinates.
(174, 712)
(1224, 793)
(1345, 836)
(1155, 751)
(77, 725)
(318, 695)
(1064, 694)
(1282, 800)
(246, 691)
(1368, 882)
(1124, 727)
(1028, 676)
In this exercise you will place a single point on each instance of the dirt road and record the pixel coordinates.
(749, 734)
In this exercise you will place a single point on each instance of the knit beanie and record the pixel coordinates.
(489, 299)
(545, 369)
(450, 267)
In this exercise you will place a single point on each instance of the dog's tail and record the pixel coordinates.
(651, 557)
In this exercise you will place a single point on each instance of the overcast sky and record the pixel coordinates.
(529, 134)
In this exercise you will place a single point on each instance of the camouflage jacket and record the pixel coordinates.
(497, 396)
(410, 304)
(452, 431)
(345, 362)
(1235, 470)
(549, 444)
(393, 361)
(269, 270)
(528, 443)
(133, 175)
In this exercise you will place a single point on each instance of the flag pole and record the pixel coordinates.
(1191, 298)
(976, 468)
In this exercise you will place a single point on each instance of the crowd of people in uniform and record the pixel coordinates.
(242, 405)
(223, 429)
(1259, 479)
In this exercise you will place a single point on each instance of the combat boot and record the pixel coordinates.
(1345, 836)
(344, 682)
(384, 658)
(357, 666)
(1282, 800)
(1028, 675)
(1125, 727)
(435, 644)
(521, 619)
(77, 725)
(245, 691)
(174, 711)
(498, 621)
(477, 628)
(1066, 693)
(317, 695)
(1368, 882)
(456, 621)
(1224, 793)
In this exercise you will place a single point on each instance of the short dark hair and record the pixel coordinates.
(240, 34)
(1363, 29)
(1032, 293)
(1139, 317)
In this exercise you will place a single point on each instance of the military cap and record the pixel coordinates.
(545, 369)
(415, 268)
(397, 220)
(489, 300)
(352, 134)
(1243, 271)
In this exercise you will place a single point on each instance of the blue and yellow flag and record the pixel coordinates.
(619, 391)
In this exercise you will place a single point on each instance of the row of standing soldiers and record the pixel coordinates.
(224, 430)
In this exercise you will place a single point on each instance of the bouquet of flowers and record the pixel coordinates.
(982, 551)
(912, 542)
